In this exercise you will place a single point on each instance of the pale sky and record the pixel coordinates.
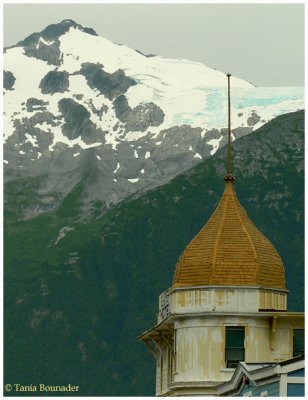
(261, 43)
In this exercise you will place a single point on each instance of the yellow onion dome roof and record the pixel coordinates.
(230, 251)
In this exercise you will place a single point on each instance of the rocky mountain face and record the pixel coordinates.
(78, 294)
(79, 108)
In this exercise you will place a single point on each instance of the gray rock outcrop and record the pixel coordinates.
(54, 82)
(8, 80)
(139, 118)
(77, 120)
(110, 85)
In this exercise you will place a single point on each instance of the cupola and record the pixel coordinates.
(230, 251)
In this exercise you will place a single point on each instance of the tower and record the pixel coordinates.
(227, 304)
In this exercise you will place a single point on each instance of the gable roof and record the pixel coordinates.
(257, 372)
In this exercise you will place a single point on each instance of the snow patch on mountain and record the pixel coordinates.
(32, 140)
(133, 180)
(136, 135)
(215, 144)
(46, 42)
(63, 231)
(117, 168)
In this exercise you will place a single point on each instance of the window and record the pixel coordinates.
(235, 350)
(298, 342)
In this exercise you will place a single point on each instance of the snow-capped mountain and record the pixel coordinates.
(78, 105)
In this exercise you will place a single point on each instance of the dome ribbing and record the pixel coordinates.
(230, 251)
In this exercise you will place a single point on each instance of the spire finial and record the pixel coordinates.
(229, 176)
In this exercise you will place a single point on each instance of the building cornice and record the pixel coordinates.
(183, 288)
(166, 323)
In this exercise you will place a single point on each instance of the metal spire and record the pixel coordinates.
(229, 176)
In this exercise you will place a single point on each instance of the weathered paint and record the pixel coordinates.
(158, 375)
(214, 299)
(273, 300)
(219, 299)
(199, 344)
(165, 368)
(197, 363)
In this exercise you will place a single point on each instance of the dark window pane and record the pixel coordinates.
(298, 342)
(235, 336)
(235, 354)
(235, 350)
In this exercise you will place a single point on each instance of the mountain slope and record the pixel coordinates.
(81, 293)
(136, 120)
